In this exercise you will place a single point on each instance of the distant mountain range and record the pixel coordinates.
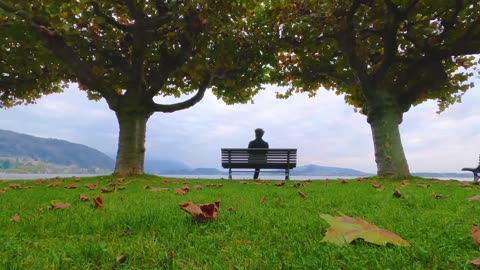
(23, 153)
(307, 170)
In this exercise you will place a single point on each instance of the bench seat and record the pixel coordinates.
(263, 158)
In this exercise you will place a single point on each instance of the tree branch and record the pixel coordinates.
(348, 43)
(108, 19)
(185, 104)
(136, 13)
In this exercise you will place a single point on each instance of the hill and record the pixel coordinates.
(170, 167)
(29, 154)
(315, 170)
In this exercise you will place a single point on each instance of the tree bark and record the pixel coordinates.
(131, 143)
(389, 154)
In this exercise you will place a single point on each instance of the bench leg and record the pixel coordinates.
(229, 173)
(287, 174)
(475, 177)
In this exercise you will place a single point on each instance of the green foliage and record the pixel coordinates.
(119, 50)
(398, 52)
(27, 69)
(283, 232)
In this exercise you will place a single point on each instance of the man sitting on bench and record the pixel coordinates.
(258, 143)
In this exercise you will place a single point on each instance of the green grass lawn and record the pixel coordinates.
(271, 228)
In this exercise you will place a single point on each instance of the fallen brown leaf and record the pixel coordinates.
(121, 259)
(83, 198)
(106, 190)
(215, 185)
(476, 262)
(464, 184)
(71, 186)
(40, 181)
(476, 234)
(15, 218)
(91, 186)
(438, 196)
(98, 203)
(121, 187)
(55, 184)
(405, 183)
(197, 187)
(397, 194)
(302, 195)
(474, 198)
(422, 185)
(15, 186)
(264, 199)
(201, 212)
(180, 191)
(146, 187)
(375, 184)
(186, 188)
(77, 179)
(59, 205)
(280, 184)
(343, 181)
(120, 180)
(231, 209)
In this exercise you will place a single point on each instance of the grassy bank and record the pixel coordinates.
(270, 228)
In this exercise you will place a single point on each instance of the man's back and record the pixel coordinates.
(258, 143)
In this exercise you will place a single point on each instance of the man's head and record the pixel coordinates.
(259, 133)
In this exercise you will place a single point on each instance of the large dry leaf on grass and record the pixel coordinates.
(423, 185)
(98, 203)
(71, 186)
(344, 229)
(83, 198)
(55, 184)
(397, 194)
(180, 191)
(201, 212)
(474, 198)
(476, 262)
(15, 218)
(91, 186)
(59, 205)
(476, 234)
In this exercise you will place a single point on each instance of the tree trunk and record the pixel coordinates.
(389, 155)
(131, 143)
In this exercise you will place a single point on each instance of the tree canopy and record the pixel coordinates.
(129, 52)
(383, 55)
(27, 70)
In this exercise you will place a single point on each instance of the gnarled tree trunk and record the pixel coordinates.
(389, 154)
(131, 143)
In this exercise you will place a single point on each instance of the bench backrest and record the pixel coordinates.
(275, 158)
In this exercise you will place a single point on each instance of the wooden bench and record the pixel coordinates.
(475, 172)
(263, 158)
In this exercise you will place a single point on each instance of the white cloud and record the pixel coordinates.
(325, 130)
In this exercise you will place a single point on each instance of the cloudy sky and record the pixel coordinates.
(325, 130)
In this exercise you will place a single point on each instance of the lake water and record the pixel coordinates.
(12, 176)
